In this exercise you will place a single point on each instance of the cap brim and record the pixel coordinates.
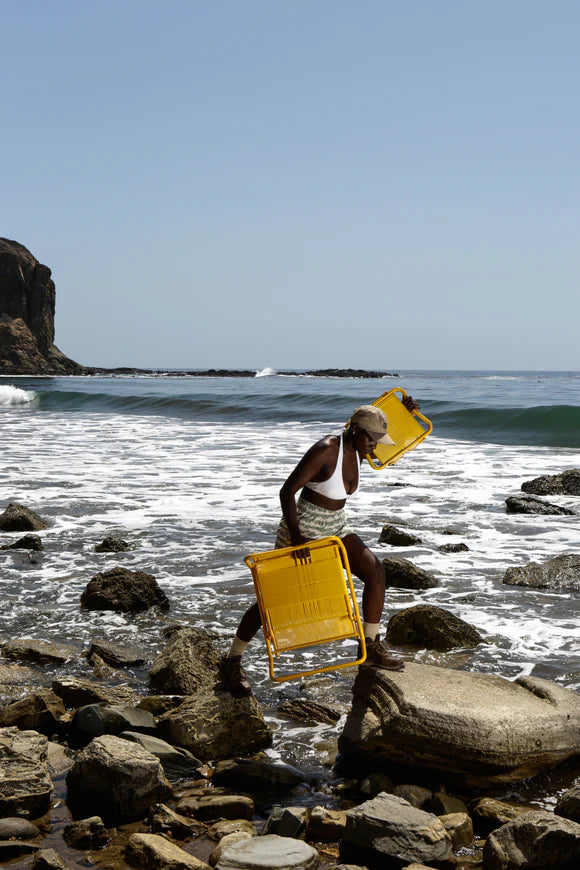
(385, 439)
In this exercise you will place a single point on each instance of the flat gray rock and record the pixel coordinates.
(269, 853)
(19, 829)
(470, 729)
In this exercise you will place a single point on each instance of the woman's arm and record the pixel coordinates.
(321, 455)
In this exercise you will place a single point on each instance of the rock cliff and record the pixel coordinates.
(27, 301)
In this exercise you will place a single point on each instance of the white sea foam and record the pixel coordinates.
(266, 373)
(194, 498)
(15, 396)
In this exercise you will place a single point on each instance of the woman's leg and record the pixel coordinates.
(250, 624)
(365, 565)
(231, 671)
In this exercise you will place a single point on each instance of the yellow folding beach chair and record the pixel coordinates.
(406, 428)
(306, 601)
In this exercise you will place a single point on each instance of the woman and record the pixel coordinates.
(328, 474)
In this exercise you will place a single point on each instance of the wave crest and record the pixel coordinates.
(15, 396)
(265, 373)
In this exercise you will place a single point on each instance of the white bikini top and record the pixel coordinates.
(334, 487)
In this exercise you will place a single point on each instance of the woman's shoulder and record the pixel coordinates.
(328, 443)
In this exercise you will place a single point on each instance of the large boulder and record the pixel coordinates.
(212, 807)
(116, 780)
(387, 832)
(17, 518)
(76, 692)
(398, 537)
(154, 852)
(309, 712)
(528, 504)
(255, 776)
(93, 720)
(431, 627)
(47, 859)
(561, 572)
(27, 305)
(470, 729)
(41, 652)
(402, 574)
(112, 544)
(116, 655)
(214, 725)
(124, 590)
(177, 763)
(567, 483)
(25, 784)
(40, 711)
(569, 804)
(534, 841)
(189, 662)
(28, 542)
(86, 833)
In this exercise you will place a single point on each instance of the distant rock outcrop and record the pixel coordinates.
(27, 301)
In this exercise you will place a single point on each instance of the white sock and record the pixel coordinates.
(238, 647)
(371, 630)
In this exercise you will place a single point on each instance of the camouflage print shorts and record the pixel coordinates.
(314, 522)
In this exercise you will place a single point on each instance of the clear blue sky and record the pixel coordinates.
(304, 183)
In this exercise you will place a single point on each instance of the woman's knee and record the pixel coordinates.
(364, 564)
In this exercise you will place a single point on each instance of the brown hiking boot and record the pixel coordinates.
(380, 656)
(234, 677)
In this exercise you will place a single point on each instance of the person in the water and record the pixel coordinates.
(327, 474)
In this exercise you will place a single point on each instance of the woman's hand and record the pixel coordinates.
(410, 404)
(303, 554)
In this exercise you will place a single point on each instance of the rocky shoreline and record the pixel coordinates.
(27, 309)
(235, 373)
(172, 772)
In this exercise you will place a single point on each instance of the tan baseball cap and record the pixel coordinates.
(372, 420)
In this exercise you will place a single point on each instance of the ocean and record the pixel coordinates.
(187, 470)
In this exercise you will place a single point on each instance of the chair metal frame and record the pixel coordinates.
(406, 428)
(306, 600)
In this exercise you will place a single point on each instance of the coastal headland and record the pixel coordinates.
(27, 309)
